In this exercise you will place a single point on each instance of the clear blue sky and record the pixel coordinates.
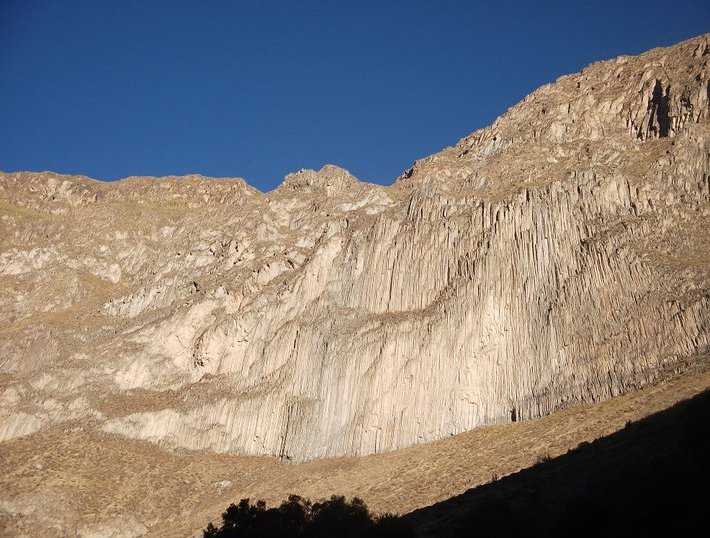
(258, 89)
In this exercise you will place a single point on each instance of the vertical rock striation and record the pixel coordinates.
(560, 256)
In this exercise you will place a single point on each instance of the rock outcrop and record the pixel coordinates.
(558, 257)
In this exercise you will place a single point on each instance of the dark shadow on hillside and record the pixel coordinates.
(649, 479)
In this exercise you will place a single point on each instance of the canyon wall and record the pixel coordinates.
(557, 257)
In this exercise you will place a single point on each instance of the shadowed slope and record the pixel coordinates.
(649, 479)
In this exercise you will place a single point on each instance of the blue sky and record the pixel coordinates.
(258, 89)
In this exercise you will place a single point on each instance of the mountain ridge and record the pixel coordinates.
(551, 259)
(699, 46)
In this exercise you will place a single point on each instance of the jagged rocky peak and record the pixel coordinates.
(554, 258)
(330, 179)
(659, 94)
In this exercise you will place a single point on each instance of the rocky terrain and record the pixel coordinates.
(558, 257)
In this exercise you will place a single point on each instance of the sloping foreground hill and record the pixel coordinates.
(559, 257)
(72, 480)
(649, 479)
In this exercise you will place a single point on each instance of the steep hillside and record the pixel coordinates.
(559, 257)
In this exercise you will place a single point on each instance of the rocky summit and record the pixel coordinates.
(559, 257)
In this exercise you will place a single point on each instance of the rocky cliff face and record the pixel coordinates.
(560, 256)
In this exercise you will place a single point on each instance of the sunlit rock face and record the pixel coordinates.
(558, 257)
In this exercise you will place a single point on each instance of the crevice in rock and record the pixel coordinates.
(283, 455)
(659, 123)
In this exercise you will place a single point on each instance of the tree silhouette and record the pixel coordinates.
(298, 517)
